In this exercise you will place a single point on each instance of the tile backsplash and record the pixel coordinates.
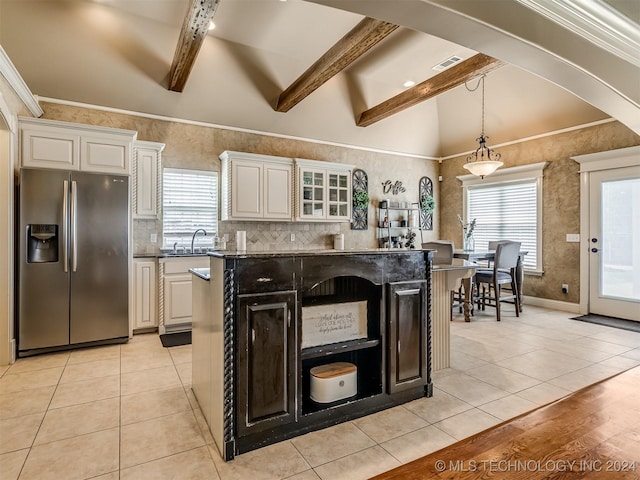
(265, 236)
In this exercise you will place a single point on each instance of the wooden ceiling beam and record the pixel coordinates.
(368, 33)
(194, 30)
(469, 69)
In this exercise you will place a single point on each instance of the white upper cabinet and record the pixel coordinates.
(105, 154)
(49, 147)
(146, 184)
(324, 191)
(256, 187)
(278, 182)
(73, 146)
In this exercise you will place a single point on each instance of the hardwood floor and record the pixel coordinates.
(593, 433)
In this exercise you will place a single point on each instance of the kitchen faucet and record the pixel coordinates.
(194, 236)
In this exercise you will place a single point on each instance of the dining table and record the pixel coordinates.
(489, 256)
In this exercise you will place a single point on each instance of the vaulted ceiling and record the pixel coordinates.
(302, 69)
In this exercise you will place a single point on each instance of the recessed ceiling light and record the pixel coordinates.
(211, 25)
(408, 83)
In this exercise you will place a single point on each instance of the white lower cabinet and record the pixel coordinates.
(175, 292)
(145, 312)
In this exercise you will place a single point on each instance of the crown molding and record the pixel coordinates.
(535, 137)
(595, 21)
(235, 129)
(9, 71)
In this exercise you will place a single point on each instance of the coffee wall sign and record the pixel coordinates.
(393, 187)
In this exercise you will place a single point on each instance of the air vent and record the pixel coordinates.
(449, 62)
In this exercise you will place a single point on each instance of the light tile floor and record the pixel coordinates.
(127, 411)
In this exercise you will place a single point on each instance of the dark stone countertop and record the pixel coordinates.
(169, 255)
(203, 273)
(312, 253)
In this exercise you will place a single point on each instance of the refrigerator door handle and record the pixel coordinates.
(65, 225)
(74, 226)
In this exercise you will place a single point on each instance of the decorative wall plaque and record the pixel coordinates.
(425, 188)
(360, 200)
(393, 187)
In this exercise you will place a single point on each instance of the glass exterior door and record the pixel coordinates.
(614, 243)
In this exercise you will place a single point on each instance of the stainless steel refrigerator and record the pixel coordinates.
(73, 259)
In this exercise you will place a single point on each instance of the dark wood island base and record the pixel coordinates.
(262, 321)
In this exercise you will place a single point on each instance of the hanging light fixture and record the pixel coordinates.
(484, 161)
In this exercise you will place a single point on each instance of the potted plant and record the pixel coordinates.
(360, 200)
(427, 204)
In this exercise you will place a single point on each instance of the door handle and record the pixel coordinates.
(74, 226)
(65, 225)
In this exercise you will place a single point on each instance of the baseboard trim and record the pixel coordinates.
(553, 304)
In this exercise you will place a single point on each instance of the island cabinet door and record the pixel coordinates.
(407, 353)
(266, 361)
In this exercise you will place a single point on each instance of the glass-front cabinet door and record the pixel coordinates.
(313, 194)
(338, 195)
(324, 191)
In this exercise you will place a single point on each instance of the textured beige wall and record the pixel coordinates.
(561, 199)
(198, 147)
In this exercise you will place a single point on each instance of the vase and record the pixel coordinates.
(468, 244)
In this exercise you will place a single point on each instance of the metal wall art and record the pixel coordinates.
(426, 203)
(360, 200)
(393, 188)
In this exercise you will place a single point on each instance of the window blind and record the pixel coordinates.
(505, 211)
(189, 202)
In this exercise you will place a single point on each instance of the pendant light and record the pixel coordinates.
(484, 161)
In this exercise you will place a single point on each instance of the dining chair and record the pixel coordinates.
(444, 256)
(503, 272)
(493, 244)
(443, 251)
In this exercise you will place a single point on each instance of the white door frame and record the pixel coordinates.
(8, 132)
(26, 104)
(593, 162)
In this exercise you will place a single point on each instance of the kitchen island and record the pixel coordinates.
(263, 321)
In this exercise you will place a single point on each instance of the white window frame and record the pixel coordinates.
(518, 174)
(200, 240)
